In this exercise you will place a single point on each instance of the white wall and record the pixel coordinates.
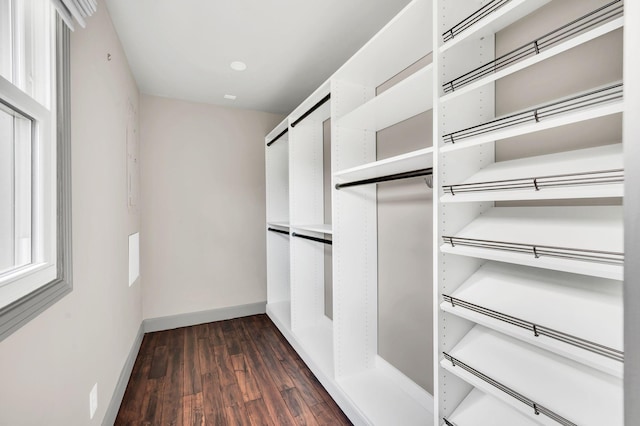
(48, 367)
(203, 197)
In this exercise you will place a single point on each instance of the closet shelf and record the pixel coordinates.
(586, 173)
(531, 304)
(590, 26)
(479, 408)
(322, 228)
(583, 240)
(415, 160)
(279, 224)
(543, 385)
(383, 400)
(592, 104)
(406, 99)
(488, 20)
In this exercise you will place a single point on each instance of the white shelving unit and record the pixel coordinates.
(528, 249)
(530, 313)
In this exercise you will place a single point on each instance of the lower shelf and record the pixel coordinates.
(480, 409)
(383, 401)
(533, 380)
(373, 397)
(577, 316)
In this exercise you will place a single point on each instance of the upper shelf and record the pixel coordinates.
(584, 106)
(320, 228)
(406, 99)
(586, 173)
(511, 299)
(393, 48)
(582, 30)
(534, 381)
(415, 160)
(479, 408)
(583, 240)
(489, 19)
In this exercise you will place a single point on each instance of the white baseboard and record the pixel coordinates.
(123, 380)
(194, 318)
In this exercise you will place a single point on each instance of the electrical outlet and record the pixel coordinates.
(93, 401)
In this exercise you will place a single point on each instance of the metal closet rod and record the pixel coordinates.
(592, 19)
(537, 408)
(535, 115)
(310, 110)
(396, 176)
(447, 422)
(476, 16)
(279, 231)
(308, 237)
(281, 134)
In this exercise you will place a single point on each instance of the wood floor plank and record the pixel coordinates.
(193, 376)
(159, 363)
(172, 409)
(298, 408)
(136, 390)
(216, 334)
(245, 378)
(270, 393)
(225, 368)
(231, 395)
(212, 399)
(206, 356)
(192, 410)
(258, 413)
(231, 337)
(324, 415)
(274, 366)
(152, 402)
(237, 415)
(307, 388)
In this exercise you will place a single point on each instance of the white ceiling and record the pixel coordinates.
(182, 48)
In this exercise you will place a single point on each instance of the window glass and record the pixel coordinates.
(15, 191)
(5, 39)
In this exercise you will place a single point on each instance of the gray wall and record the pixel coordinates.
(328, 250)
(203, 196)
(593, 64)
(48, 367)
(405, 285)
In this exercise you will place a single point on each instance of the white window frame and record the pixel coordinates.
(27, 291)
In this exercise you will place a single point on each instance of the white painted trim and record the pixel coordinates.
(123, 380)
(194, 318)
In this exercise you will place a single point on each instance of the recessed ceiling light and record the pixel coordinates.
(238, 66)
(231, 97)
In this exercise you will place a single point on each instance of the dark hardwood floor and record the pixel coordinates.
(236, 372)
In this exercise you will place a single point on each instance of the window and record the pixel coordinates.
(35, 264)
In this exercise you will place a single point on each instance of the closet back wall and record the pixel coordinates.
(202, 180)
(599, 63)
